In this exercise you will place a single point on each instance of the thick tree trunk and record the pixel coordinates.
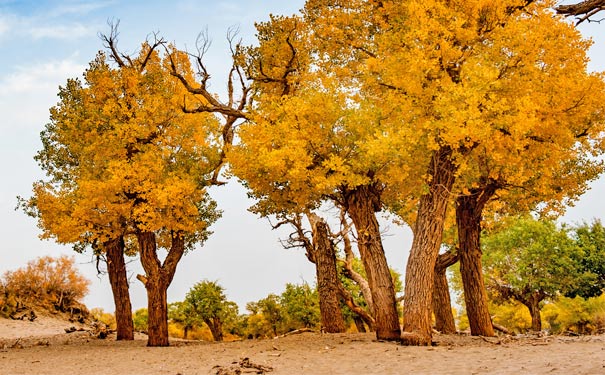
(116, 268)
(442, 304)
(428, 231)
(157, 280)
(327, 277)
(216, 328)
(362, 205)
(469, 210)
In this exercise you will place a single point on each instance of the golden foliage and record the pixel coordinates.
(120, 154)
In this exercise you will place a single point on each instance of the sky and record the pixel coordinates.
(43, 43)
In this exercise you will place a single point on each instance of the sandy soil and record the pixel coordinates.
(43, 347)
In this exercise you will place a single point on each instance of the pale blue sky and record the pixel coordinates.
(42, 43)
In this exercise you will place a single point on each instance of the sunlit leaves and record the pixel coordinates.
(121, 155)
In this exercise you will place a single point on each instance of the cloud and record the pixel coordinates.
(39, 77)
(79, 8)
(61, 31)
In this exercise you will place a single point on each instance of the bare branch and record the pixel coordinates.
(582, 10)
(111, 42)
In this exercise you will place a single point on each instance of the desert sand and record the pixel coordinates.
(44, 347)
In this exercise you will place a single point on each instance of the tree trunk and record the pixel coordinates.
(185, 332)
(361, 328)
(442, 304)
(428, 231)
(216, 328)
(157, 280)
(362, 205)
(533, 304)
(116, 268)
(327, 277)
(469, 210)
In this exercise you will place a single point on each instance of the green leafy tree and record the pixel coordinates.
(182, 313)
(208, 303)
(301, 305)
(591, 240)
(140, 319)
(530, 260)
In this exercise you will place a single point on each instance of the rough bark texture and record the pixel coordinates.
(442, 304)
(324, 256)
(116, 268)
(469, 210)
(362, 204)
(428, 231)
(157, 280)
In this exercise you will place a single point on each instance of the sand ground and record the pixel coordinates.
(43, 347)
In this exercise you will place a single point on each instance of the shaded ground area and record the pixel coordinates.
(24, 350)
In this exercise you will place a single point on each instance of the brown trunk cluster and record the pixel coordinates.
(157, 279)
(324, 256)
(428, 231)
(116, 268)
(442, 304)
(362, 203)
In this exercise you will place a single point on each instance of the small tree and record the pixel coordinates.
(208, 302)
(182, 313)
(301, 304)
(49, 283)
(591, 240)
(530, 260)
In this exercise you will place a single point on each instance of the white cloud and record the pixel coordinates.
(41, 77)
(61, 31)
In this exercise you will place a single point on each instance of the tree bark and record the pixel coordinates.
(428, 231)
(362, 203)
(157, 280)
(116, 269)
(442, 304)
(332, 320)
(469, 211)
(533, 304)
(216, 328)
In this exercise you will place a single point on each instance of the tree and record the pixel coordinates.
(209, 304)
(182, 313)
(530, 260)
(456, 91)
(270, 312)
(140, 319)
(140, 166)
(591, 240)
(321, 251)
(301, 306)
(52, 284)
(309, 147)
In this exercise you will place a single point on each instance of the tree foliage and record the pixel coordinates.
(45, 283)
(591, 240)
(207, 302)
(530, 260)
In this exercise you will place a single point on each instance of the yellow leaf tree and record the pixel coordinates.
(314, 140)
(126, 164)
(476, 91)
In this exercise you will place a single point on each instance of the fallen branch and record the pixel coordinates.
(295, 332)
